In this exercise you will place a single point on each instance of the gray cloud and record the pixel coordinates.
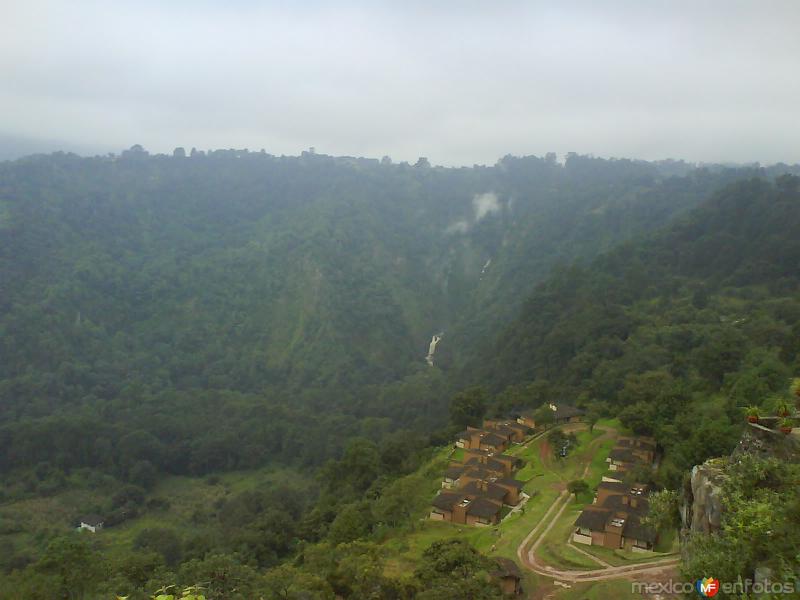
(459, 82)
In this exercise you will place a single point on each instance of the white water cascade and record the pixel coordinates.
(432, 348)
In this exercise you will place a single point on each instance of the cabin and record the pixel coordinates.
(631, 451)
(616, 523)
(497, 462)
(508, 576)
(457, 507)
(623, 459)
(562, 414)
(493, 442)
(642, 447)
(443, 505)
(504, 489)
(477, 474)
(93, 523)
(516, 431)
(513, 487)
(606, 489)
(452, 475)
(474, 438)
(505, 432)
(483, 511)
(484, 489)
(566, 413)
(527, 419)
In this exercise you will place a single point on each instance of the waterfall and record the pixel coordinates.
(432, 348)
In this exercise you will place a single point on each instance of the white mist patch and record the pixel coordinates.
(485, 204)
(482, 205)
(458, 227)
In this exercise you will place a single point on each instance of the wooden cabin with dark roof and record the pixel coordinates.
(516, 431)
(507, 575)
(452, 475)
(481, 439)
(457, 507)
(616, 523)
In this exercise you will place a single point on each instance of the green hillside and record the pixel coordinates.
(677, 333)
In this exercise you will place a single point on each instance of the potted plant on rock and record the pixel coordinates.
(786, 426)
(752, 414)
(784, 409)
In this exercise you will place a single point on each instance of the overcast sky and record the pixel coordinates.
(460, 82)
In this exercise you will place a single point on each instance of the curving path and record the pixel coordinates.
(526, 552)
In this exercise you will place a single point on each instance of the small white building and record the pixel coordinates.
(93, 523)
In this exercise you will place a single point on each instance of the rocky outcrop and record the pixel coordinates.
(702, 507)
(764, 440)
(702, 502)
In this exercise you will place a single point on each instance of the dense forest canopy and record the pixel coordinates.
(677, 333)
(151, 296)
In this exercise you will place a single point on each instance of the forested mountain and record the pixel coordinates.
(203, 314)
(676, 333)
(151, 296)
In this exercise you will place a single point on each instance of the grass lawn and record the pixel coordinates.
(619, 558)
(554, 550)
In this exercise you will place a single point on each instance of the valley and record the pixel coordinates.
(215, 362)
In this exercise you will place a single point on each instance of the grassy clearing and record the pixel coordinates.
(28, 524)
(620, 558)
(191, 500)
(554, 549)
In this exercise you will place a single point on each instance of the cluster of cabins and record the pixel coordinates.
(475, 489)
(614, 520)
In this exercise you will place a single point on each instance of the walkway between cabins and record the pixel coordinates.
(526, 552)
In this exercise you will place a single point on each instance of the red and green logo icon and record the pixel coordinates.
(707, 587)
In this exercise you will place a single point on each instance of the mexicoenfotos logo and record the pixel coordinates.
(707, 587)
